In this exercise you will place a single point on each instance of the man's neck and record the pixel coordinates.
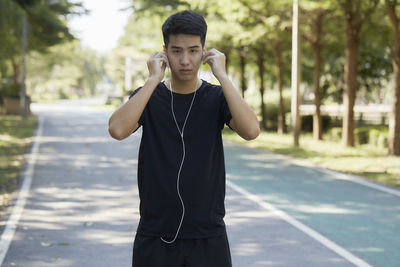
(183, 87)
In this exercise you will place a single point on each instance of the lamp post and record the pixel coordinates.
(296, 75)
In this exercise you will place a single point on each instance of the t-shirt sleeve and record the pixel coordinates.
(225, 113)
(141, 119)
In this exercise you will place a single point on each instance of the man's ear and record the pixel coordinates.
(165, 52)
(203, 53)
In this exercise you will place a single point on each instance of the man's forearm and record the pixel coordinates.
(244, 121)
(125, 120)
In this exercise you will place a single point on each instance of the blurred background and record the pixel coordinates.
(349, 60)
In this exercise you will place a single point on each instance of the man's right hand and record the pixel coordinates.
(157, 64)
(125, 119)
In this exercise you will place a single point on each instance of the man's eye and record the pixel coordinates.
(193, 51)
(176, 51)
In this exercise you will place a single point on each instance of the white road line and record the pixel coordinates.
(305, 229)
(355, 179)
(343, 176)
(12, 223)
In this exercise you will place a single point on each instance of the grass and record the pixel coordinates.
(367, 161)
(15, 137)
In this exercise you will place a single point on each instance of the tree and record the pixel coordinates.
(142, 36)
(394, 128)
(47, 26)
(258, 25)
(10, 38)
(314, 15)
(157, 7)
(242, 51)
(226, 46)
(248, 21)
(47, 20)
(271, 24)
(355, 13)
(65, 71)
(260, 50)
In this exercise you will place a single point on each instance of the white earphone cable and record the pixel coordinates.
(181, 132)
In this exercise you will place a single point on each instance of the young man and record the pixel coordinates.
(181, 169)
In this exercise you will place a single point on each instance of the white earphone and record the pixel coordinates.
(181, 132)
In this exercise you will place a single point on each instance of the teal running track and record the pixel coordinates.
(361, 219)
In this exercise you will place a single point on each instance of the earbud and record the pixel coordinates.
(166, 62)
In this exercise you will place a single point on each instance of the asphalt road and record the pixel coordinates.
(82, 209)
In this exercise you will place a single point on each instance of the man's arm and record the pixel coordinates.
(244, 122)
(125, 120)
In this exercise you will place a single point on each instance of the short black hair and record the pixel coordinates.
(185, 22)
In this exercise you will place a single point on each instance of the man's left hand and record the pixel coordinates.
(216, 60)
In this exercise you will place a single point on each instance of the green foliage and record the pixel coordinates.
(251, 27)
(141, 38)
(362, 135)
(9, 90)
(375, 66)
(46, 27)
(307, 123)
(376, 136)
(65, 71)
(10, 30)
(157, 7)
(335, 134)
(272, 107)
(47, 24)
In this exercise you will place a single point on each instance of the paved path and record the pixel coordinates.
(83, 205)
(363, 220)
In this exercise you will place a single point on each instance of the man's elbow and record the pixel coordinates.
(252, 133)
(115, 133)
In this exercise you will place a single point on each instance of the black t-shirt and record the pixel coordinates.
(202, 179)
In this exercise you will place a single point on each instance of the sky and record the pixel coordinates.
(102, 27)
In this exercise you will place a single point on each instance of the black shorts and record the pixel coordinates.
(204, 252)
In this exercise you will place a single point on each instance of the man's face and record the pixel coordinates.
(184, 54)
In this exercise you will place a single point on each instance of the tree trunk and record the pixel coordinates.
(260, 64)
(317, 121)
(243, 82)
(15, 68)
(353, 26)
(394, 125)
(317, 49)
(350, 76)
(278, 60)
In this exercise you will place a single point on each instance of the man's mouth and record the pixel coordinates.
(185, 71)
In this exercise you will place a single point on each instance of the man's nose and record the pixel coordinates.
(184, 58)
